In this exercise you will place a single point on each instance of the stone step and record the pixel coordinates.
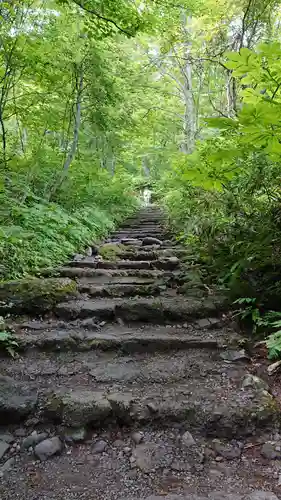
(86, 336)
(142, 228)
(146, 253)
(138, 234)
(143, 225)
(120, 290)
(120, 280)
(158, 310)
(80, 272)
(168, 263)
(97, 389)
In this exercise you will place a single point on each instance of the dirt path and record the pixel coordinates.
(133, 390)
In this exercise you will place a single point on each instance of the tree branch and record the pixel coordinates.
(102, 18)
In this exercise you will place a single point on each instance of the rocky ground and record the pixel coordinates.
(135, 386)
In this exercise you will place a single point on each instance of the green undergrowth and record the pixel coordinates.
(38, 233)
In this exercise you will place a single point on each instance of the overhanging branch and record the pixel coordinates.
(102, 18)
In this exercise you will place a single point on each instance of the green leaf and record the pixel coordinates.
(222, 123)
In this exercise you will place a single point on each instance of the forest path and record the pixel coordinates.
(134, 389)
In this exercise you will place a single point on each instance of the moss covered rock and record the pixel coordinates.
(34, 295)
(111, 251)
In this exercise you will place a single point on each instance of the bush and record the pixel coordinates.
(38, 233)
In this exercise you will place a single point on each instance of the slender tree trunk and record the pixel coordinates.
(77, 121)
(231, 95)
(189, 125)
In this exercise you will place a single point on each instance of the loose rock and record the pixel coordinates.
(3, 448)
(232, 355)
(254, 382)
(137, 437)
(48, 448)
(90, 324)
(187, 439)
(226, 450)
(33, 439)
(268, 450)
(76, 435)
(89, 252)
(99, 446)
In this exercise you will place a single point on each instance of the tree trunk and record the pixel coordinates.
(189, 125)
(77, 121)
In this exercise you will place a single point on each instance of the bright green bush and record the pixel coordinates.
(35, 234)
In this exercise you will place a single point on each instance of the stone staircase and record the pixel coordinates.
(133, 389)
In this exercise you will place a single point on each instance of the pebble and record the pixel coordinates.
(99, 446)
(48, 448)
(185, 325)
(152, 407)
(137, 437)
(127, 450)
(187, 439)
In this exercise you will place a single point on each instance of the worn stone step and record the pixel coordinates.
(82, 389)
(80, 272)
(141, 229)
(121, 280)
(146, 253)
(158, 310)
(120, 290)
(84, 336)
(138, 234)
(153, 251)
(168, 263)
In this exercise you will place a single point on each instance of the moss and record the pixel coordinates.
(53, 408)
(111, 251)
(35, 295)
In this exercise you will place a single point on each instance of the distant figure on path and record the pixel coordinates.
(146, 196)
